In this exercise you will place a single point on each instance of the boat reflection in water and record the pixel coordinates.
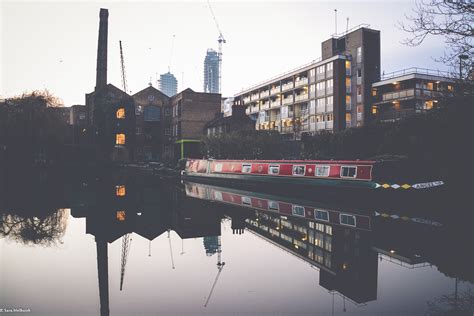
(345, 244)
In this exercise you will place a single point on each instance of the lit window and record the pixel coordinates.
(120, 113)
(374, 110)
(348, 117)
(428, 105)
(120, 190)
(429, 86)
(374, 92)
(120, 216)
(348, 172)
(120, 139)
(450, 88)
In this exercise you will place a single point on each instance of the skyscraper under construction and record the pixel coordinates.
(211, 72)
(168, 84)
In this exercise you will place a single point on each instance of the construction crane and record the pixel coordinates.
(220, 40)
(220, 266)
(126, 241)
(122, 62)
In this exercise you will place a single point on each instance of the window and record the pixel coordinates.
(348, 171)
(299, 170)
(359, 54)
(274, 169)
(273, 205)
(218, 167)
(347, 219)
(120, 190)
(168, 131)
(322, 171)
(348, 67)
(348, 85)
(120, 114)
(246, 200)
(298, 210)
(120, 139)
(329, 117)
(329, 103)
(218, 196)
(167, 111)
(429, 86)
(329, 66)
(246, 168)
(312, 107)
(120, 216)
(138, 110)
(321, 215)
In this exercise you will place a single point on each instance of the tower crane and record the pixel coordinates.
(220, 266)
(220, 40)
(126, 241)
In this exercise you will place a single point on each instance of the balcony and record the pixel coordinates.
(348, 89)
(275, 90)
(301, 97)
(398, 95)
(246, 100)
(301, 82)
(247, 110)
(265, 106)
(359, 80)
(275, 103)
(288, 100)
(254, 109)
(359, 98)
(359, 116)
(264, 94)
(287, 86)
(320, 125)
(254, 97)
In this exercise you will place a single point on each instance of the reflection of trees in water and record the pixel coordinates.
(460, 303)
(43, 230)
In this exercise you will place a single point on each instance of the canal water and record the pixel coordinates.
(122, 243)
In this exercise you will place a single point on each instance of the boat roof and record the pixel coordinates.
(371, 162)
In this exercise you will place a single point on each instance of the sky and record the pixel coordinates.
(53, 45)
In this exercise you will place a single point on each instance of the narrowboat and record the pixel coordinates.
(284, 206)
(348, 174)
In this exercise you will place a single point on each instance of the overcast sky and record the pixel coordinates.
(53, 45)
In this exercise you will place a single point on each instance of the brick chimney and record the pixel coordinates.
(101, 71)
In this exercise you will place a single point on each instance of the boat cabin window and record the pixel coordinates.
(246, 168)
(321, 215)
(298, 210)
(274, 169)
(273, 205)
(120, 190)
(348, 220)
(299, 170)
(348, 172)
(218, 167)
(322, 171)
(120, 216)
(246, 200)
(217, 196)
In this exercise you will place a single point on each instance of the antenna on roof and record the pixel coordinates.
(335, 20)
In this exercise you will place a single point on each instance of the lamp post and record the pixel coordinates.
(461, 58)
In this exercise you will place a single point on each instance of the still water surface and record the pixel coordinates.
(68, 246)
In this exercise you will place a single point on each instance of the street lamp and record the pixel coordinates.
(461, 58)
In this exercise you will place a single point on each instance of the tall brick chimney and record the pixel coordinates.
(101, 71)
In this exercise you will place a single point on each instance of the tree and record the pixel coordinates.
(451, 19)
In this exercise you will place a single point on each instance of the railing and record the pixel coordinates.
(247, 111)
(288, 100)
(329, 124)
(359, 98)
(282, 75)
(254, 109)
(393, 115)
(254, 97)
(300, 97)
(359, 80)
(415, 70)
(338, 35)
(275, 90)
(399, 94)
(265, 106)
(246, 100)
(287, 86)
(264, 94)
(301, 82)
(320, 125)
(275, 103)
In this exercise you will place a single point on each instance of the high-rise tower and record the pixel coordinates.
(168, 84)
(211, 72)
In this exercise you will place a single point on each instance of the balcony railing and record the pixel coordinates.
(264, 94)
(287, 86)
(254, 109)
(301, 97)
(247, 111)
(246, 100)
(301, 82)
(359, 98)
(275, 90)
(415, 70)
(398, 94)
(265, 105)
(359, 80)
(329, 124)
(288, 100)
(275, 103)
(320, 125)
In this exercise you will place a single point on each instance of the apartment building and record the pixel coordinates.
(409, 91)
(328, 94)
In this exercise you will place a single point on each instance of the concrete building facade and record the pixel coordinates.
(328, 94)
